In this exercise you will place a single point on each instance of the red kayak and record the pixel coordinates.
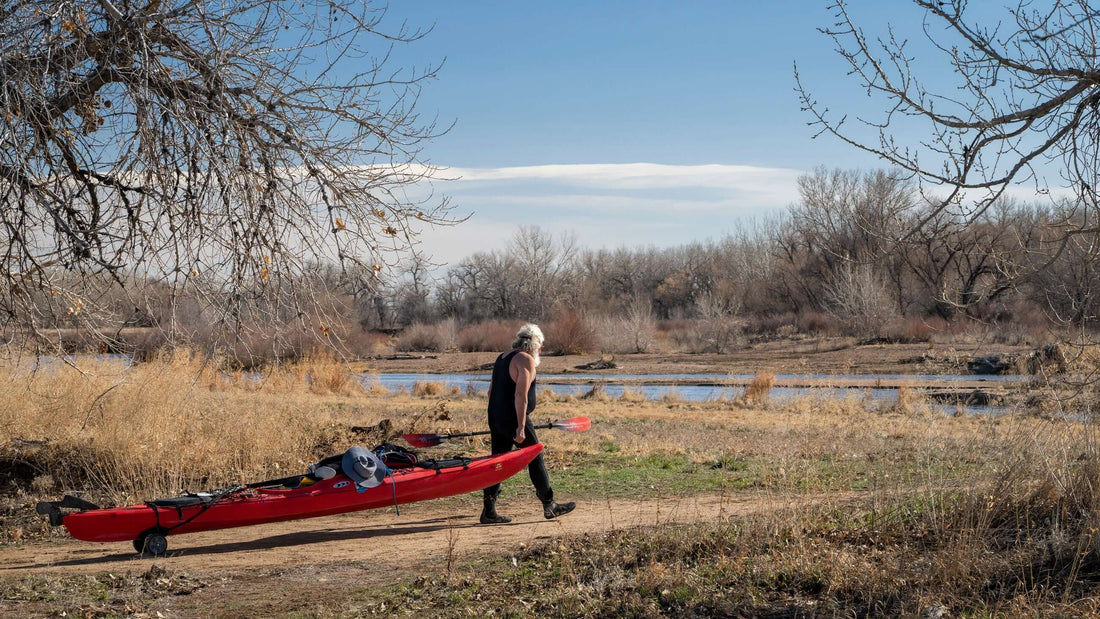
(149, 523)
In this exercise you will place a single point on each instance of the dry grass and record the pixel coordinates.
(133, 433)
(956, 516)
(597, 393)
(672, 396)
(915, 510)
(756, 393)
(429, 389)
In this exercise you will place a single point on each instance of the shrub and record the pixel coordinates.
(569, 334)
(489, 336)
(860, 298)
(917, 330)
(718, 329)
(813, 322)
(419, 337)
(360, 343)
(772, 323)
(633, 332)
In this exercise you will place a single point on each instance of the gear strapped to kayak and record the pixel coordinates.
(355, 480)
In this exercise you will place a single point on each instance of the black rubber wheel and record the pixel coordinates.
(151, 542)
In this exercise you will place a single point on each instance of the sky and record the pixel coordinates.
(626, 124)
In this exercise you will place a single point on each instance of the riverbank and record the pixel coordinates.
(817, 356)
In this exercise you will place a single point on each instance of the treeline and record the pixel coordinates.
(860, 253)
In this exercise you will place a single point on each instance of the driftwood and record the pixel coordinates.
(991, 364)
(604, 363)
(384, 430)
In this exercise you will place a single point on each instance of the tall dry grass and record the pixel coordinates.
(431, 389)
(758, 389)
(133, 433)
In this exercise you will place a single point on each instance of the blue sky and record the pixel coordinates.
(626, 123)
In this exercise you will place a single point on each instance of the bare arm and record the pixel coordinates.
(522, 370)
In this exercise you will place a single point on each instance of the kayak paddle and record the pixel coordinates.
(573, 424)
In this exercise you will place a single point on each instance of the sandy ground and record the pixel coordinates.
(829, 356)
(424, 534)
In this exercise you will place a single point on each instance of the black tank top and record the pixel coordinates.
(502, 399)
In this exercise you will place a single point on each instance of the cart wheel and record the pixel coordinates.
(152, 542)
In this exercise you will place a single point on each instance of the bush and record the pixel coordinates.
(489, 336)
(569, 334)
(419, 337)
(633, 332)
(812, 322)
(360, 343)
(621, 335)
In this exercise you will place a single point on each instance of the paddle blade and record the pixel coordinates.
(424, 440)
(573, 424)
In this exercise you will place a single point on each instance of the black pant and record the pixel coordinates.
(503, 443)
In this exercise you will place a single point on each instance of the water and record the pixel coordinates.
(995, 378)
(615, 384)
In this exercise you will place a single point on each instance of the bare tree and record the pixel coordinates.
(842, 218)
(1023, 108)
(542, 264)
(860, 298)
(641, 324)
(218, 149)
(719, 327)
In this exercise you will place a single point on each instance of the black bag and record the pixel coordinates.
(395, 456)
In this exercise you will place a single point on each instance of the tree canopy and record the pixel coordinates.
(1021, 107)
(223, 149)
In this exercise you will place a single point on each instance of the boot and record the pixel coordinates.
(550, 509)
(489, 513)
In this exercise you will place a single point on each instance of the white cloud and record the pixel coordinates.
(605, 205)
(634, 175)
(450, 244)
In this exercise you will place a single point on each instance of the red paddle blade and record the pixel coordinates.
(574, 424)
(424, 440)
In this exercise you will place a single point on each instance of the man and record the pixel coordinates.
(511, 399)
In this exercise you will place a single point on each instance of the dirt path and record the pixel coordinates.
(424, 534)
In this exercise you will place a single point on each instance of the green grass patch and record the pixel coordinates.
(660, 474)
(615, 475)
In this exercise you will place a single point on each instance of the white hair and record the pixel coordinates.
(528, 339)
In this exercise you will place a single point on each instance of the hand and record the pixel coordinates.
(520, 436)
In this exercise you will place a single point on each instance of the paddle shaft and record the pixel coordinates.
(276, 482)
(484, 432)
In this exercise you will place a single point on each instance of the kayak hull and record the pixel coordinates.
(327, 497)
